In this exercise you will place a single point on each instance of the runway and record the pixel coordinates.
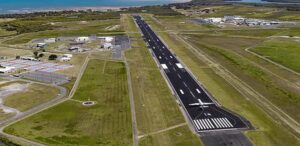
(204, 113)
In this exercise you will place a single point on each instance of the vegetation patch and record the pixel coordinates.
(69, 123)
(282, 51)
(33, 96)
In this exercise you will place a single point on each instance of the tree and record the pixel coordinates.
(41, 55)
(35, 53)
(52, 57)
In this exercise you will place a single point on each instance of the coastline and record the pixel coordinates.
(93, 8)
(100, 8)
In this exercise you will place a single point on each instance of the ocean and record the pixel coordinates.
(23, 6)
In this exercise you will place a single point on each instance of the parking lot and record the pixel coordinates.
(34, 65)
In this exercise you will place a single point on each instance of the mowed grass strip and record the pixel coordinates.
(282, 51)
(70, 123)
(31, 97)
(180, 136)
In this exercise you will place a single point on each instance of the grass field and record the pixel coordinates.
(225, 41)
(4, 115)
(4, 33)
(33, 96)
(283, 51)
(182, 23)
(68, 29)
(249, 11)
(77, 61)
(268, 131)
(155, 106)
(9, 52)
(106, 123)
(180, 136)
(254, 33)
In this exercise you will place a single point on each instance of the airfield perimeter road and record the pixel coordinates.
(205, 114)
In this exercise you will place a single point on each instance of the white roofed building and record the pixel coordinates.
(107, 46)
(6, 69)
(106, 39)
(50, 40)
(82, 39)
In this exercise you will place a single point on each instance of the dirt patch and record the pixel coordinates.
(8, 90)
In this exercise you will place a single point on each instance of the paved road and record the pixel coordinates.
(205, 114)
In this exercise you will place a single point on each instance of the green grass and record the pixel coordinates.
(69, 29)
(33, 96)
(183, 23)
(106, 123)
(282, 51)
(229, 42)
(4, 33)
(251, 11)
(268, 131)
(253, 33)
(155, 106)
(180, 136)
(4, 115)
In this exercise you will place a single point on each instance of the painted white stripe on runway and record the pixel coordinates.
(181, 91)
(211, 123)
(217, 119)
(207, 123)
(229, 122)
(204, 127)
(218, 126)
(223, 122)
(192, 94)
(179, 76)
(218, 123)
(184, 84)
(223, 119)
(201, 127)
(207, 127)
(198, 90)
(196, 124)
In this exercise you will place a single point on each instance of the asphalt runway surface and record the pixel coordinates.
(205, 114)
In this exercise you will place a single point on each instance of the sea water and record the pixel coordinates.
(21, 6)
